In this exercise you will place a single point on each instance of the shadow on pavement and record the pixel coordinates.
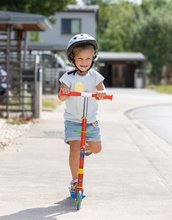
(44, 213)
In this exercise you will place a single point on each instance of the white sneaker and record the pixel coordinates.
(73, 185)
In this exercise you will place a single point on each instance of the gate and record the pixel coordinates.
(23, 73)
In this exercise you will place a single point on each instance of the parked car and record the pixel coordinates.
(3, 81)
(54, 67)
(55, 61)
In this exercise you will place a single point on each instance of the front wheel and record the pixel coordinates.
(78, 200)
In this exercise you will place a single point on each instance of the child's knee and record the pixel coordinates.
(74, 146)
(95, 147)
(97, 150)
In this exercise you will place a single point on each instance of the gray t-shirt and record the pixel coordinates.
(74, 105)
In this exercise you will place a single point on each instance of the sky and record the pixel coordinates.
(135, 1)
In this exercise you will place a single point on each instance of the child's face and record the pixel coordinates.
(84, 58)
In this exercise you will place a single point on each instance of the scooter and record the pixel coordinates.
(79, 194)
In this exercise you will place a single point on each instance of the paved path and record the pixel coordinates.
(130, 180)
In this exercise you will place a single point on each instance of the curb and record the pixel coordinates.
(155, 149)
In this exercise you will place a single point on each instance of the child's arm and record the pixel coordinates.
(65, 89)
(101, 91)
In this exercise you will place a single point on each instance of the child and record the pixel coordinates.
(81, 52)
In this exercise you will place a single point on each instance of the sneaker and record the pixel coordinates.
(73, 185)
(87, 150)
(73, 188)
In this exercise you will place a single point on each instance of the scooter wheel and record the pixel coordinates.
(79, 200)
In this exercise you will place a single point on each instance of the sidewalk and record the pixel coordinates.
(130, 180)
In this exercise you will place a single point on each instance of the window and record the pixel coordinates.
(71, 26)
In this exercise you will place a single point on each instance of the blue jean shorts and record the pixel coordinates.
(73, 131)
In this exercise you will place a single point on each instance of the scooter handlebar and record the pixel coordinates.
(84, 94)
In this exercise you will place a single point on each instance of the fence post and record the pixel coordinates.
(38, 89)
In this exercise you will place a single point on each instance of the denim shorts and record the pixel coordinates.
(73, 131)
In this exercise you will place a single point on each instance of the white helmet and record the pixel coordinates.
(80, 40)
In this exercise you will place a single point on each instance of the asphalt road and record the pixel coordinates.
(158, 119)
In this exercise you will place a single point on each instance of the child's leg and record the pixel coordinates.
(95, 147)
(74, 158)
(74, 155)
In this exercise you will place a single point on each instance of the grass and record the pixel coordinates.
(49, 104)
(16, 121)
(161, 88)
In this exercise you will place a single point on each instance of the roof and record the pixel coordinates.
(24, 21)
(46, 47)
(121, 56)
(82, 8)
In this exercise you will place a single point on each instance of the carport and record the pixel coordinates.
(13, 46)
(122, 69)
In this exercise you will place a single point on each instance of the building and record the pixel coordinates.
(122, 69)
(76, 19)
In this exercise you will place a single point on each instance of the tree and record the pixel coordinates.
(45, 7)
(153, 38)
(151, 5)
(120, 20)
(146, 28)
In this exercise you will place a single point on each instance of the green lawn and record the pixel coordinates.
(49, 104)
(161, 88)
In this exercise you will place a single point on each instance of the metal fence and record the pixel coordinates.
(20, 98)
(50, 80)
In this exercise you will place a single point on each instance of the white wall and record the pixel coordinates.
(54, 36)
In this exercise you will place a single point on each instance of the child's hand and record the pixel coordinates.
(101, 94)
(65, 91)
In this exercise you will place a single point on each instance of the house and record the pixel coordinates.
(76, 19)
